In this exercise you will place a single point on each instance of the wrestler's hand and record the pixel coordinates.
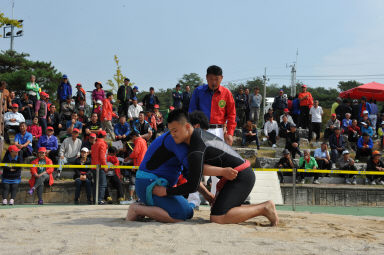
(228, 139)
(159, 191)
(229, 173)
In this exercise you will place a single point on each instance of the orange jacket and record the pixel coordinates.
(306, 102)
(99, 152)
(49, 171)
(107, 111)
(115, 162)
(139, 151)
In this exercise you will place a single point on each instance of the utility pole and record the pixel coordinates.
(265, 89)
(11, 29)
(293, 75)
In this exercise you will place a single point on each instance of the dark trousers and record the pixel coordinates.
(363, 153)
(314, 127)
(247, 111)
(114, 181)
(43, 125)
(10, 187)
(123, 108)
(88, 188)
(39, 185)
(323, 165)
(6, 129)
(249, 139)
(277, 114)
(102, 184)
(335, 154)
(25, 152)
(304, 117)
(348, 167)
(294, 151)
(272, 137)
(240, 113)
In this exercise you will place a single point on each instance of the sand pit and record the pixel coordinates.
(101, 230)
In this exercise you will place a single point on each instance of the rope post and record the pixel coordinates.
(97, 184)
(294, 189)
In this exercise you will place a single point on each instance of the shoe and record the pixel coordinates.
(373, 182)
(347, 181)
(274, 146)
(5, 201)
(11, 202)
(40, 202)
(381, 182)
(316, 181)
(302, 181)
(30, 192)
(101, 202)
(354, 181)
(109, 200)
(333, 166)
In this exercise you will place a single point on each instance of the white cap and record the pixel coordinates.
(363, 123)
(85, 149)
(345, 152)
(99, 102)
(365, 112)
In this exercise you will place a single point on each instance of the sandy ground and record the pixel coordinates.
(102, 230)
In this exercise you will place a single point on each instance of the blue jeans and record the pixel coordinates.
(43, 124)
(88, 188)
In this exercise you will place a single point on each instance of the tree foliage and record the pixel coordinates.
(346, 85)
(5, 21)
(16, 69)
(118, 77)
(191, 79)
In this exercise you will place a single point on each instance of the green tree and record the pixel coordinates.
(346, 85)
(191, 79)
(16, 69)
(118, 77)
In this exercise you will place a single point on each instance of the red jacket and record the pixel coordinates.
(99, 152)
(49, 171)
(139, 151)
(115, 162)
(107, 111)
(306, 102)
(35, 130)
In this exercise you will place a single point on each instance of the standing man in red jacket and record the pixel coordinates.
(99, 157)
(306, 102)
(107, 114)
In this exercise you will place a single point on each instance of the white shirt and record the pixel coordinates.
(270, 126)
(133, 112)
(316, 113)
(13, 115)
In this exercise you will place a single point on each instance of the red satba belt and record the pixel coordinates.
(221, 183)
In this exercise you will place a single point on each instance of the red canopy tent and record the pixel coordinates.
(372, 90)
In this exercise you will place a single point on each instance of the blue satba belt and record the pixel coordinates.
(155, 181)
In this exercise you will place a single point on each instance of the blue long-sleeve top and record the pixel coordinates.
(360, 143)
(63, 91)
(177, 99)
(50, 143)
(122, 129)
(367, 130)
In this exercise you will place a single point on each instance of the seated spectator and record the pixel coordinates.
(88, 143)
(375, 164)
(135, 159)
(286, 162)
(159, 119)
(67, 108)
(365, 118)
(365, 128)
(73, 123)
(380, 132)
(53, 119)
(354, 133)
(292, 142)
(337, 144)
(15, 100)
(347, 122)
(69, 149)
(322, 157)
(107, 114)
(98, 108)
(39, 175)
(284, 127)
(27, 107)
(23, 141)
(308, 162)
(134, 110)
(11, 176)
(49, 141)
(12, 121)
(286, 114)
(250, 134)
(83, 176)
(331, 124)
(347, 163)
(122, 129)
(113, 177)
(268, 114)
(92, 127)
(81, 116)
(36, 132)
(364, 146)
(271, 130)
(143, 127)
(83, 105)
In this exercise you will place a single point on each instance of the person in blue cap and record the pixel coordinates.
(124, 97)
(64, 90)
(134, 92)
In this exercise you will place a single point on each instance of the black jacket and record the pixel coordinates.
(371, 166)
(12, 173)
(333, 142)
(146, 102)
(292, 138)
(124, 93)
(86, 171)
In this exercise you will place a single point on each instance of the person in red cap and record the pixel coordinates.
(39, 175)
(99, 157)
(49, 141)
(159, 119)
(286, 114)
(306, 102)
(12, 121)
(41, 111)
(331, 124)
(69, 149)
(11, 176)
(88, 143)
(80, 94)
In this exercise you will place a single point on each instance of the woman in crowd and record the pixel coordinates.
(98, 93)
(36, 132)
(83, 176)
(11, 175)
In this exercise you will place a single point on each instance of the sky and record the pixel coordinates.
(159, 41)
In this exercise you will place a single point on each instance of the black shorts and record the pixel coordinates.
(234, 192)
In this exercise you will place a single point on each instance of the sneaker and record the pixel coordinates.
(130, 198)
(381, 182)
(11, 202)
(354, 181)
(274, 146)
(316, 181)
(302, 181)
(101, 202)
(109, 200)
(333, 165)
(373, 182)
(5, 201)
(30, 192)
(40, 202)
(347, 181)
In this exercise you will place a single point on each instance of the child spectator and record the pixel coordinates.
(250, 134)
(98, 107)
(83, 176)
(113, 176)
(39, 175)
(11, 175)
(36, 132)
(151, 119)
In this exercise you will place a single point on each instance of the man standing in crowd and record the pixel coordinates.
(241, 106)
(41, 111)
(64, 90)
(306, 102)
(177, 97)
(12, 121)
(124, 96)
(186, 98)
(150, 100)
(255, 101)
(27, 107)
(107, 114)
(279, 104)
(99, 157)
(247, 109)
(316, 113)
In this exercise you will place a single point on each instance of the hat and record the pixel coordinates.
(286, 151)
(134, 99)
(15, 106)
(126, 79)
(135, 87)
(49, 128)
(65, 76)
(156, 106)
(42, 149)
(345, 152)
(102, 132)
(92, 135)
(333, 114)
(85, 149)
(78, 85)
(363, 123)
(365, 112)
(286, 110)
(281, 90)
(13, 148)
(375, 153)
(76, 130)
(99, 102)
(101, 85)
(303, 86)
(42, 93)
(171, 108)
